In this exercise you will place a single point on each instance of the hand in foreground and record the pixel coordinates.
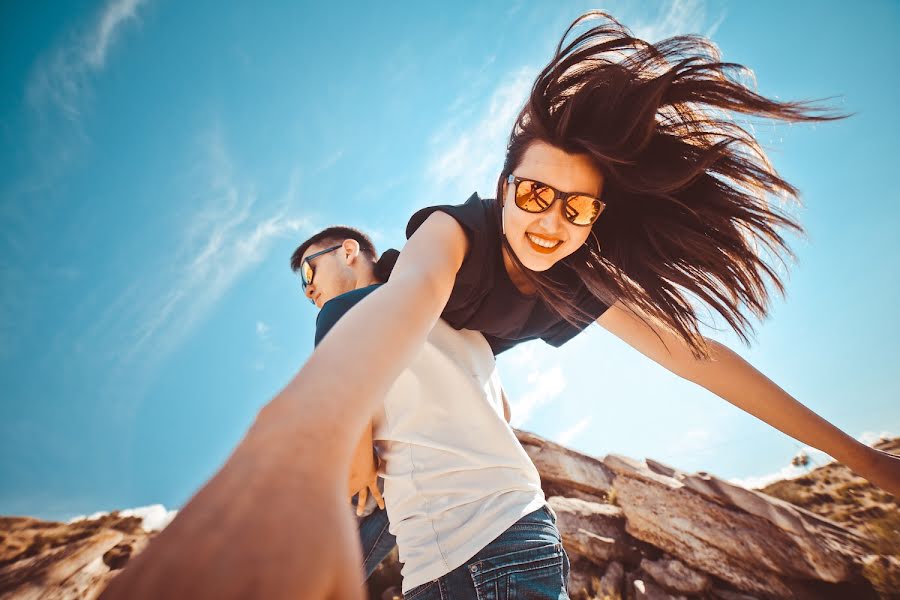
(266, 526)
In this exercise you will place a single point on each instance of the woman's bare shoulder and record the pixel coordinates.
(440, 238)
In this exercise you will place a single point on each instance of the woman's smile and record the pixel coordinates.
(542, 244)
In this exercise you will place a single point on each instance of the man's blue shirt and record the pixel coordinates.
(335, 308)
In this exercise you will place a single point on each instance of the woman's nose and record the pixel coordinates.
(552, 218)
(310, 291)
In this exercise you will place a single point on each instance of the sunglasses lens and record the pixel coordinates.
(306, 274)
(533, 197)
(583, 210)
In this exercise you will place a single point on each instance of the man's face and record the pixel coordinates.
(332, 275)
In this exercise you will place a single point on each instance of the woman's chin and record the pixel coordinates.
(539, 266)
(534, 262)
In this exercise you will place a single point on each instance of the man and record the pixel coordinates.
(457, 476)
(332, 263)
(458, 486)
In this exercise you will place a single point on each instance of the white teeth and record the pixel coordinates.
(542, 242)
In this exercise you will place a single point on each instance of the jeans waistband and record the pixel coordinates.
(543, 516)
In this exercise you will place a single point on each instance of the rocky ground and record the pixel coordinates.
(836, 493)
(633, 530)
(42, 559)
(644, 530)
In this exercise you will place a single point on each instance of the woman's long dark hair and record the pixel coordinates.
(686, 187)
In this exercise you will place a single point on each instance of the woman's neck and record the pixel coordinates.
(518, 278)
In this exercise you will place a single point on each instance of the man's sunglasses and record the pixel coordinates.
(306, 269)
(536, 197)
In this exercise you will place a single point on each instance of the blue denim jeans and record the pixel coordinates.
(525, 561)
(377, 542)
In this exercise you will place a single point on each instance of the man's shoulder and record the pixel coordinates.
(335, 308)
(346, 300)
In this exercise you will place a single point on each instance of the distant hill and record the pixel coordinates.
(836, 493)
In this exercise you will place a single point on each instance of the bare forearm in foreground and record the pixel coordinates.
(273, 522)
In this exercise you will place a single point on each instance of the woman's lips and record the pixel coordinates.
(535, 241)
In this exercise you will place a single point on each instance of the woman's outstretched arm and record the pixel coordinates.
(273, 522)
(732, 378)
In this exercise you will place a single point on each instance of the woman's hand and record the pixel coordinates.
(879, 467)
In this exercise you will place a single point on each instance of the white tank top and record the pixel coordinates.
(455, 476)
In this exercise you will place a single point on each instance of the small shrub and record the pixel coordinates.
(885, 533)
(613, 497)
(883, 576)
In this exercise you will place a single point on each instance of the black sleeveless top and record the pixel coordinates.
(485, 299)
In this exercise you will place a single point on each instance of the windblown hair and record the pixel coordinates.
(687, 188)
(336, 235)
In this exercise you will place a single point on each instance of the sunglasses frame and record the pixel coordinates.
(308, 261)
(515, 180)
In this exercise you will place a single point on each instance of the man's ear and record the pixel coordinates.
(350, 250)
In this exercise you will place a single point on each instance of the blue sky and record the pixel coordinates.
(161, 160)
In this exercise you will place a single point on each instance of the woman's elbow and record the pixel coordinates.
(692, 367)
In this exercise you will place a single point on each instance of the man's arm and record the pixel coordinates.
(362, 467)
(733, 379)
(507, 411)
(237, 537)
(363, 462)
(363, 475)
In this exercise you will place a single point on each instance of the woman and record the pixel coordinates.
(627, 194)
(456, 478)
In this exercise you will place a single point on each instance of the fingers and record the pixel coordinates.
(376, 493)
(361, 502)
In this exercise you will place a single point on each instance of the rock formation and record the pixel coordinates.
(633, 530)
(644, 530)
(59, 561)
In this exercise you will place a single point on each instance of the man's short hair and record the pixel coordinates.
(335, 235)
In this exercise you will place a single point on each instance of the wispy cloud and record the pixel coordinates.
(264, 337)
(225, 239)
(544, 386)
(230, 233)
(677, 18)
(533, 377)
(695, 441)
(116, 13)
(329, 161)
(154, 517)
(61, 78)
(870, 438)
(791, 471)
(468, 153)
(565, 437)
